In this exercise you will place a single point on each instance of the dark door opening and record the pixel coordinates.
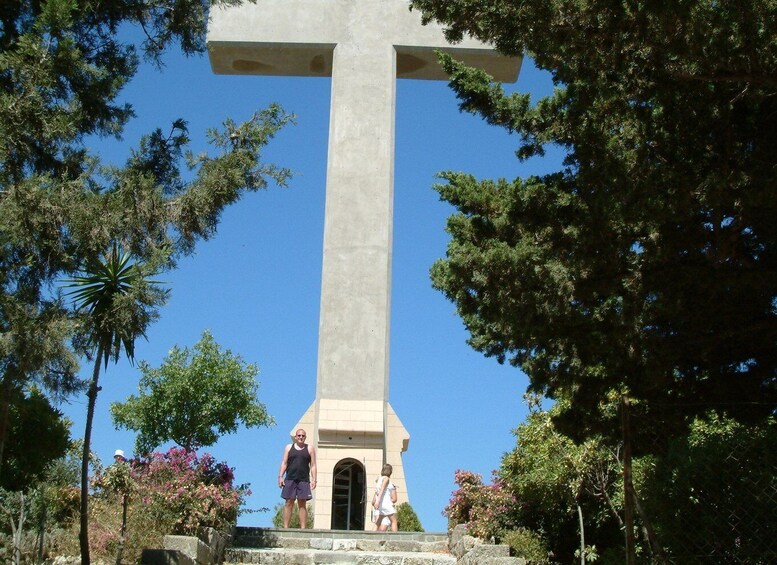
(348, 496)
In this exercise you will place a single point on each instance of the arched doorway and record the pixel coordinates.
(348, 495)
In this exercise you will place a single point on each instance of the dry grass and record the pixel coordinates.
(143, 531)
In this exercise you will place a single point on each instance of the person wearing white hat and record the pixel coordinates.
(118, 455)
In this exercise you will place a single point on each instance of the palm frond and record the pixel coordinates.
(100, 291)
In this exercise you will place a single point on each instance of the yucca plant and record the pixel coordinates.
(118, 302)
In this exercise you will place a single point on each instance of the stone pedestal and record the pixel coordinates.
(367, 432)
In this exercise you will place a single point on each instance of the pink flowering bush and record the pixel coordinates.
(177, 492)
(188, 492)
(464, 498)
(487, 510)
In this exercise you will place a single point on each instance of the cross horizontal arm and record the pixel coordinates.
(298, 37)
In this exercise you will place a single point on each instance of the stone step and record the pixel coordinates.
(339, 540)
(312, 547)
(334, 547)
(285, 556)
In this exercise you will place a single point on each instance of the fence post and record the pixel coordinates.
(628, 486)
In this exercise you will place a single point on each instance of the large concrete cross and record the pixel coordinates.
(364, 45)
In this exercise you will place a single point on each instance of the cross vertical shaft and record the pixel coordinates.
(356, 280)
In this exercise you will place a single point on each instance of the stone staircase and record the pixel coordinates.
(349, 547)
(330, 547)
(313, 547)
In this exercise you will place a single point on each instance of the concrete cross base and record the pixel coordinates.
(351, 436)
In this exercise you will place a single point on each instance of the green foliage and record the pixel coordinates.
(537, 491)
(176, 492)
(120, 303)
(30, 519)
(192, 399)
(117, 478)
(59, 490)
(646, 263)
(277, 519)
(63, 66)
(542, 466)
(14, 522)
(37, 435)
(528, 545)
(407, 519)
(551, 476)
(713, 492)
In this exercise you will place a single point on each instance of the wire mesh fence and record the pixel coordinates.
(709, 497)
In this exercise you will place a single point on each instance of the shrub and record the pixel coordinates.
(464, 498)
(528, 545)
(187, 493)
(407, 519)
(277, 519)
(51, 502)
(169, 493)
(486, 509)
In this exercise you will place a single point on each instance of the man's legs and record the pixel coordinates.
(303, 513)
(287, 509)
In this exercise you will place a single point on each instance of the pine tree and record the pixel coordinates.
(647, 263)
(63, 64)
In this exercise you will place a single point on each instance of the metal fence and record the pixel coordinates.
(708, 498)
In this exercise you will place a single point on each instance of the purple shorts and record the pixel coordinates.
(296, 490)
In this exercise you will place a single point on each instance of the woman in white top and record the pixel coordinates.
(384, 500)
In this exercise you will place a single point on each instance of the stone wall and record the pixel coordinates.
(207, 549)
(470, 550)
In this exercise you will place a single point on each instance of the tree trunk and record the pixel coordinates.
(613, 510)
(83, 536)
(17, 531)
(123, 534)
(5, 411)
(42, 524)
(582, 535)
(628, 486)
(658, 551)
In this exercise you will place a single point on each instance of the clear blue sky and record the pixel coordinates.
(256, 285)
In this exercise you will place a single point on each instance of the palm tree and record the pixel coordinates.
(120, 303)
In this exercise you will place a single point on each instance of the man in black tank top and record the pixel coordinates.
(297, 477)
